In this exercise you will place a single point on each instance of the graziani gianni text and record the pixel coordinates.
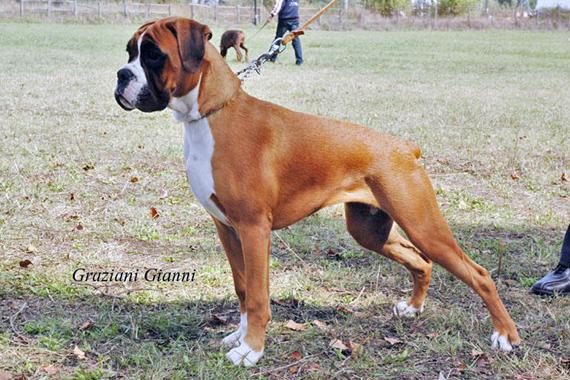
(149, 275)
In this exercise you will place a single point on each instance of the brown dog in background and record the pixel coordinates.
(235, 39)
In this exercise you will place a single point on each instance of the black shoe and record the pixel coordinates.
(555, 282)
(299, 63)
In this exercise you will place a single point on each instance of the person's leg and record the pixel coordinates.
(557, 281)
(296, 43)
(565, 253)
(281, 29)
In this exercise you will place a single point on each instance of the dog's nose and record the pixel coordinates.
(124, 75)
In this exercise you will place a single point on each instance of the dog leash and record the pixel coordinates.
(260, 29)
(279, 44)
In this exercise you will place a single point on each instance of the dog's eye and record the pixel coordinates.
(153, 55)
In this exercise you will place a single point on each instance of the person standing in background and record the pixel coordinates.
(288, 20)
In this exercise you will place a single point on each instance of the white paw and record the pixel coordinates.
(501, 342)
(402, 309)
(232, 340)
(244, 354)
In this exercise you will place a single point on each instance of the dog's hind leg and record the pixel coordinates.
(238, 53)
(246, 51)
(404, 191)
(375, 230)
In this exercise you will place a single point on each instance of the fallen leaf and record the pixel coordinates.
(25, 263)
(154, 213)
(291, 324)
(50, 369)
(71, 196)
(515, 176)
(221, 319)
(312, 366)
(432, 335)
(563, 177)
(86, 325)
(477, 353)
(134, 179)
(296, 355)
(331, 254)
(31, 249)
(392, 341)
(482, 361)
(78, 353)
(292, 303)
(344, 309)
(337, 343)
(121, 221)
(68, 217)
(88, 167)
(79, 227)
(320, 325)
(21, 339)
(293, 369)
(352, 346)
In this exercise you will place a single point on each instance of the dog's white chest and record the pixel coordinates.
(198, 151)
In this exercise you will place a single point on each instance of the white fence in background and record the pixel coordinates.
(337, 18)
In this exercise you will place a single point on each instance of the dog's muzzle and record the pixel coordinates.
(124, 77)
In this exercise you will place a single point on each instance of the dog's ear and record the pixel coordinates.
(191, 37)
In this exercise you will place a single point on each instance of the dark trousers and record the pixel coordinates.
(565, 252)
(288, 25)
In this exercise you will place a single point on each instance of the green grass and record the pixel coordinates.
(482, 105)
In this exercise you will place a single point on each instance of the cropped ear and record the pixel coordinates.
(191, 37)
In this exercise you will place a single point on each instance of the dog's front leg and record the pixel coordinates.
(232, 246)
(255, 247)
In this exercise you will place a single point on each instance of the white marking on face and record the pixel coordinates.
(198, 151)
(139, 81)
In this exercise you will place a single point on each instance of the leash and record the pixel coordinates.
(279, 44)
(260, 29)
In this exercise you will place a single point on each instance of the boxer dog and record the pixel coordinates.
(255, 167)
(235, 39)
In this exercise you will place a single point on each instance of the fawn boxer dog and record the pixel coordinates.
(255, 167)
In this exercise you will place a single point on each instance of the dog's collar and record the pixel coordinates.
(187, 116)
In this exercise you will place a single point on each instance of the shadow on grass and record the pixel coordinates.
(137, 338)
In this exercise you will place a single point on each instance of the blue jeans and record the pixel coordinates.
(565, 252)
(289, 25)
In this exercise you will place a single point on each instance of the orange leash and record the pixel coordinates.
(298, 32)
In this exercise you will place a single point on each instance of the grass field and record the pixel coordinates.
(78, 176)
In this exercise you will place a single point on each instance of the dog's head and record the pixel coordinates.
(166, 58)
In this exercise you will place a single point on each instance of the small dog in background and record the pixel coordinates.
(235, 39)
